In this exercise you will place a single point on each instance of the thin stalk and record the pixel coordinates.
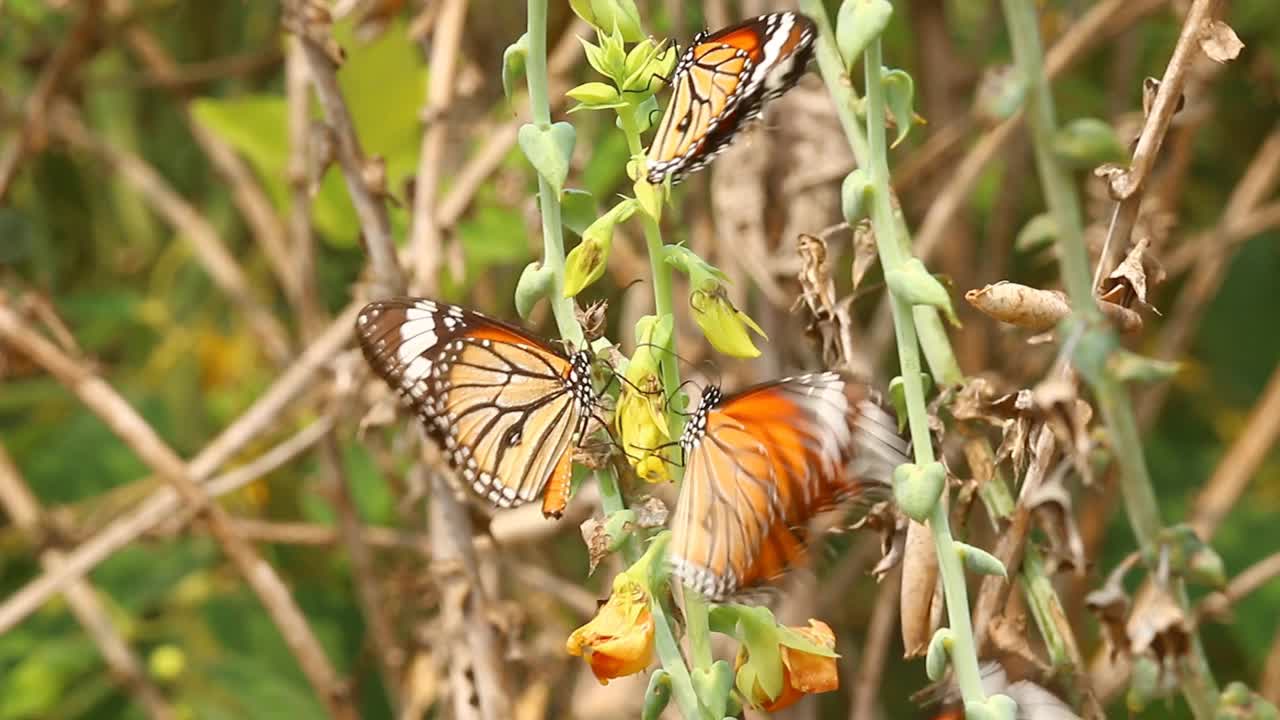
(1200, 688)
(893, 255)
(673, 662)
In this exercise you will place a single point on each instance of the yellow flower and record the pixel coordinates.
(641, 410)
(724, 325)
(618, 641)
(803, 672)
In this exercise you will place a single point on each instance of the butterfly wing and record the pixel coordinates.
(507, 408)
(721, 82)
(763, 463)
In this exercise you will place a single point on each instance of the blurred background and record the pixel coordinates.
(172, 220)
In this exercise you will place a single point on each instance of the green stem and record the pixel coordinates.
(1200, 689)
(892, 256)
(673, 662)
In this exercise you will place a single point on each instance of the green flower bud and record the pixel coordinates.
(586, 263)
(913, 284)
(513, 62)
(917, 488)
(167, 662)
(605, 15)
(857, 24)
(724, 325)
(534, 284)
(646, 62)
(855, 191)
(938, 654)
(899, 95)
(657, 695)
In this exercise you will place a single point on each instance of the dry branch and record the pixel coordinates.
(125, 422)
(24, 511)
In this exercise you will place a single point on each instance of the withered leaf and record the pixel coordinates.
(864, 251)
(1160, 627)
(651, 512)
(1111, 605)
(597, 541)
(1027, 307)
(1051, 505)
(1219, 42)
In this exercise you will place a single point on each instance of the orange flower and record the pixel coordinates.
(618, 641)
(802, 672)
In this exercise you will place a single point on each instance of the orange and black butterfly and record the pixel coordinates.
(507, 407)
(760, 464)
(723, 80)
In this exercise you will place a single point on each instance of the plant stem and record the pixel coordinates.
(1200, 689)
(673, 662)
(892, 256)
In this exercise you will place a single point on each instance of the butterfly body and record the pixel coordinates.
(721, 82)
(507, 408)
(761, 464)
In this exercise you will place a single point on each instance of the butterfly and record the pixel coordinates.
(760, 464)
(723, 80)
(508, 408)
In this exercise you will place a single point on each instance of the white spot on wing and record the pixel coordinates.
(417, 369)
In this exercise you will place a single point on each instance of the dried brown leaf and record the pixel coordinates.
(597, 541)
(1027, 307)
(1219, 42)
(1110, 603)
(1068, 416)
(592, 319)
(919, 583)
(1124, 319)
(1131, 275)
(864, 251)
(1151, 88)
(884, 518)
(651, 512)
(1051, 505)
(1159, 626)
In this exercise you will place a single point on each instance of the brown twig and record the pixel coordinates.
(1126, 186)
(302, 245)
(157, 508)
(368, 200)
(24, 512)
(875, 650)
(1246, 583)
(1241, 461)
(34, 129)
(425, 241)
(204, 238)
(1269, 686)
(125, 422)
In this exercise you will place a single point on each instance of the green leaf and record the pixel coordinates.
(548, 150)
(794, 640)
(913, 284)
(899, 95)
(577, 210)
(917, 488)
(595, 56)
(657, 695)
(596, 95)
(857, 24)
(855, 191)
(535, 283)
(513, 64)
(764, 657)
(980, 561)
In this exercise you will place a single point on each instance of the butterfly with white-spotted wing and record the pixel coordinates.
(508, 408)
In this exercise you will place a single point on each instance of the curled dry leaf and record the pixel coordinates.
(592, 319)
(884, 518)
(597, 541)
(1219, 42)
(865, 254)
(1151, 88)
(651, 512)
(1160, 627)
(1051, 505)
(818, 294)
(1012, 413)
(1110, 603)
(1122, 318)
(1068, 416)
(1127, 284)
(1027, 307)
(918, 595)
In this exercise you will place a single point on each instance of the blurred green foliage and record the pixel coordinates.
(139, 304)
